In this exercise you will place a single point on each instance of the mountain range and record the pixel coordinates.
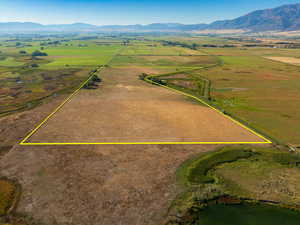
(283, 18)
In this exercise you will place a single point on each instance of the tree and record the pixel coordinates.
(194, 46)
(39, 53)
(34, 65)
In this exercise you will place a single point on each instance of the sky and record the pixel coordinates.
(124, 12)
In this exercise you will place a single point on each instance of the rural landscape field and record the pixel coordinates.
(159, 124)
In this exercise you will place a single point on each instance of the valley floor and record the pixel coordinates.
(111, 184)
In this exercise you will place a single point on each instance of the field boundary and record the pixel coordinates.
(23, 142)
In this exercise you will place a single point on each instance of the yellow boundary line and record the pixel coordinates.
(143, 143)
(23, 142)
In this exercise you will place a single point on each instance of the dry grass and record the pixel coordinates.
(125, 109)
(290, 60)
(7, 195)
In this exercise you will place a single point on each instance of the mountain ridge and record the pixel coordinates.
(282, 18)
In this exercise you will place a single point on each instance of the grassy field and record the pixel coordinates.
(172, 62)
(158, 49)
(26, 80)
(260, 91)
(77, 54)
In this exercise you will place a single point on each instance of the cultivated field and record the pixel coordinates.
(157, 49)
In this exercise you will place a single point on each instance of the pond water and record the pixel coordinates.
(247, 214)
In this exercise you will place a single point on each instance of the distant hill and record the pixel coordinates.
(283, 18)
(159, 27)
(30, 27)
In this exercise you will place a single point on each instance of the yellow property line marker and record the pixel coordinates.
(23, 142)
(142, 143)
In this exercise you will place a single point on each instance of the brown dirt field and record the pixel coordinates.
(125, 109)
(290, 60)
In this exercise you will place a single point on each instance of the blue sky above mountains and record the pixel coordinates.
(129, 11)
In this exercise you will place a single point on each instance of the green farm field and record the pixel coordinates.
(174, 63)
(26, 80)
(260, 91)
(158, 49)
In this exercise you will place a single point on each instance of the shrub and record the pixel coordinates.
(91, 84)
(286, 159)
(7, 193)
(157, 80)
(143, 76)
(95, 78)
(34, 65)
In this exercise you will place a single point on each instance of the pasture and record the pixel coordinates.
(158, 49)
(260, 91)
(25, 81)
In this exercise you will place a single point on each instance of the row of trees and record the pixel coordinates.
(176, 43)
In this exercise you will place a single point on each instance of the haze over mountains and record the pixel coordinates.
(283, 18)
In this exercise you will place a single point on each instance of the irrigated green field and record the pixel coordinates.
(260, 91)
(170, 62)
(157, 49)
(25, 79)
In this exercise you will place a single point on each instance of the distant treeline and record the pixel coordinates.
(194, 46)
(180, 44)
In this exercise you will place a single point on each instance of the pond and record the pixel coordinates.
(247, 214)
